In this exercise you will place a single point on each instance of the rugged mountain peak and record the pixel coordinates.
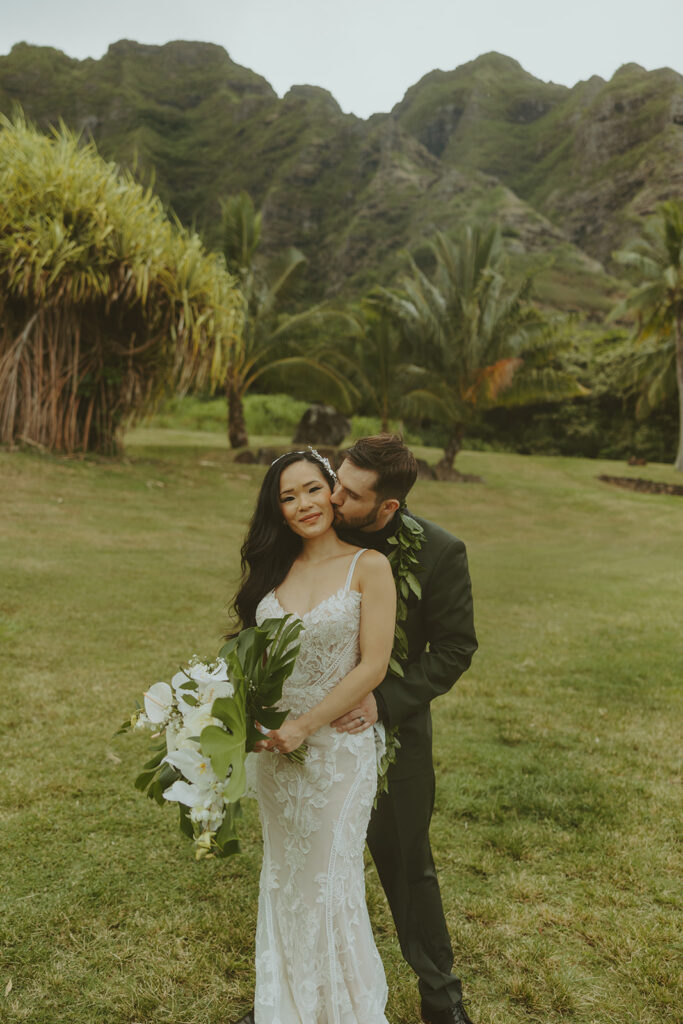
(627, 70)
(181, 58)
(312, 94)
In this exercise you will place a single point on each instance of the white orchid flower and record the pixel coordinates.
(195, 767)
(183, 793)
(159, 703)
(177, 682)
(201, 673)
(197, 718)
(218, 688)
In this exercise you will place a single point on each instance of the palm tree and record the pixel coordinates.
(270, 341)
(480, 343)
(103, 301)
(657, 303)
(371, 355)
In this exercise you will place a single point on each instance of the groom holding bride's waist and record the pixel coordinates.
(374, 478)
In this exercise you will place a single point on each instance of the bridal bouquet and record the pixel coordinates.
(205, 722)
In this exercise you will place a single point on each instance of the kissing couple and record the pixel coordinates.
(317, 548)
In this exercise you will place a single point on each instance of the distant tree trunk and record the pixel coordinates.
(451, 448)
(237, 427)
(679, 380)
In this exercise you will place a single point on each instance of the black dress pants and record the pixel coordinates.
(398, 838)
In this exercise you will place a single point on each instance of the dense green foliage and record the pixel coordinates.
(475, 342)
(271, 344)
(556, 754)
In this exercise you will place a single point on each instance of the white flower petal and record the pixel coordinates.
(219, 688)
(200, 673)
(159, 703)
(183, 793)
(179, 679)
(194, 766)
(220, 673)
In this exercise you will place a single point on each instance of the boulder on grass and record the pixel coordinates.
(322, 425)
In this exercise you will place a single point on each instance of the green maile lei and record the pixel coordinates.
(405, 545)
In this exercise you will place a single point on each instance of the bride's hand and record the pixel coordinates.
(284, 740)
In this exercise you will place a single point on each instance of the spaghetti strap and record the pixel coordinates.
(351, 568)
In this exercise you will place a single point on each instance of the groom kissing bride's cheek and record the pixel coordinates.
(377, 648)
(373, 482)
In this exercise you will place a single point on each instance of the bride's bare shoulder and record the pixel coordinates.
(371, 562)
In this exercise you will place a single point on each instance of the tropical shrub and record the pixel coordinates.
(103, 300)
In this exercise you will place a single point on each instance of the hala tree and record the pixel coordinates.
(656, 301)
(103, 301)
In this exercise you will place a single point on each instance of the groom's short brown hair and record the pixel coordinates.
(389, 457)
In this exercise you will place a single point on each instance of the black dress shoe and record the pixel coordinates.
(455, 1014)
(247, 1019)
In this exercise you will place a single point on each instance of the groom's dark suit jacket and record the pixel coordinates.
(441, 638)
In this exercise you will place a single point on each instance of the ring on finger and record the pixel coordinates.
(276, 750)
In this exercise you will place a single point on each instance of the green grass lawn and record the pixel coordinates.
(556, 755)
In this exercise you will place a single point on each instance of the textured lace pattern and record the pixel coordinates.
(316, 959)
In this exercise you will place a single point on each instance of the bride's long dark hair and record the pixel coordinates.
(270, 547)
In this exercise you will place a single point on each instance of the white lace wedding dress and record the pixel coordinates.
(316, 960)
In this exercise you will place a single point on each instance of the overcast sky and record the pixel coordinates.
(368, 52)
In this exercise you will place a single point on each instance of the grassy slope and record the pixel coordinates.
(555, 755)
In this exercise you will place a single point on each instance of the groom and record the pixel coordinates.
(373, 481)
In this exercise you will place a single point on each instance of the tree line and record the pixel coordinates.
(106, 303)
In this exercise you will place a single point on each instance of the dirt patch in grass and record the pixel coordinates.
(642, 485)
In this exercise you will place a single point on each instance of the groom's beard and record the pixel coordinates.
(343, 522)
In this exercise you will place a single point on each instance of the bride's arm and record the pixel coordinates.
(377, 621)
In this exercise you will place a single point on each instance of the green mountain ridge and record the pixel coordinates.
(564, 171)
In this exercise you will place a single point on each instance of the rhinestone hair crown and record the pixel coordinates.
(316, 454)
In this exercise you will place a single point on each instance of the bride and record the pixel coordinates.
(316, 960)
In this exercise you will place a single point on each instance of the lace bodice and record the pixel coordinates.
(329, 644)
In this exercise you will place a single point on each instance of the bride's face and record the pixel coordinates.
(305, 499)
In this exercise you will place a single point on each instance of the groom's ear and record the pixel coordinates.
(390, 506)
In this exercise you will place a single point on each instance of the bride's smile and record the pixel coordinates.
(305, 499)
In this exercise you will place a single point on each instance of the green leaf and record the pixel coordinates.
(227, 648)
(413, 583)
(226, 839)
(186, 826)
(270, 718)
(411, 524)
(238, 781)
(224, 749)
(143, 780)
(230, 713)
(155, 761)
(395, 667)
(189, 685)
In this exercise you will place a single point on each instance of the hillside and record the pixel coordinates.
(564, 171)
(593, 159)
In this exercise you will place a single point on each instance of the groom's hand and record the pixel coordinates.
(357, 719)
